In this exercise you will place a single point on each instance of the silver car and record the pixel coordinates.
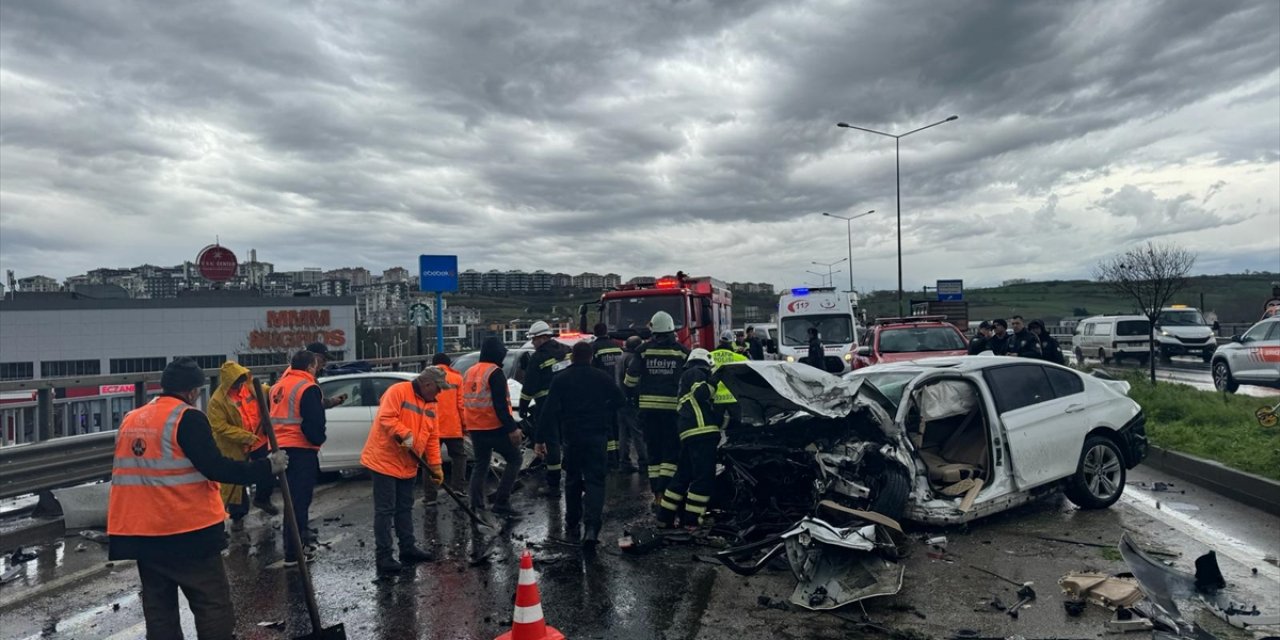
(1253, 358)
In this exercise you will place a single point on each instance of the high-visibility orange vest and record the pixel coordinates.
(286, 396)
(449, 406)
(401, 413)
(155, 490)
(477, 399)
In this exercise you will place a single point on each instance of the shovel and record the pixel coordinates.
(337, 631)
(487, 527)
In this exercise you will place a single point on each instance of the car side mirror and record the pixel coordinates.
(864, 350)
(1237, 338)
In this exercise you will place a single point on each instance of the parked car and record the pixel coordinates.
(914, 440)
(1110, 338)
(1252, 358)
(347, 424)
(903, 339)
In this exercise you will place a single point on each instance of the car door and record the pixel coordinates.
(1258, 358)
(1042, 430)
(346, 425)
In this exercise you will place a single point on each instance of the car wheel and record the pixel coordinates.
(1206, 355)
(1079, 355)
(1222, 380)
(1102, 355)
(1099, 478)
(1165, 355)
(889, 497)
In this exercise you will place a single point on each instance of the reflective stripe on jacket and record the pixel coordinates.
(655, 374)
(449, 406)
(286, 417)
(477, 399)
(697, 414)
(401, 413)
(719, 357)
(155, 490)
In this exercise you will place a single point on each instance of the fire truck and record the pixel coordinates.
(701, 307)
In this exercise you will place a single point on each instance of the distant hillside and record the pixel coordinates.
(1234, 297)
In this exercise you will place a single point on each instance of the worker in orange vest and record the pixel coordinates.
(297, 415)
(450, 429)
(165, 511)
(486, 410)
(403, 431)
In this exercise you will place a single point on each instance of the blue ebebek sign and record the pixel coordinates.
(438, 273)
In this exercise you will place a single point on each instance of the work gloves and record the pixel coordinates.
(279, 461)
(437, 474)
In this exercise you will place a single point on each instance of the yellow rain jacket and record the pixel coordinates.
(234, 438)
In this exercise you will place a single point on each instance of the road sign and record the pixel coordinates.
(950, 290)
(437, 273)
(419, 314)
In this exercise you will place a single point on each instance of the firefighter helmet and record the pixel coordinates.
(540, 328)
(662, 323)
(700, 354)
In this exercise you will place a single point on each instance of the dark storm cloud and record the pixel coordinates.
(561, 136)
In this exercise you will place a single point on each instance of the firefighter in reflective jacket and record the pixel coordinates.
(605, 354)
(654, 378)
(550, 356)
(689, 492)
(726, 404)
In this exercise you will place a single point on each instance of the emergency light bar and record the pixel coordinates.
(668, 283)
(801, 291)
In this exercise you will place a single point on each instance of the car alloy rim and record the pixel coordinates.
(1220, 375)
(1102, 471)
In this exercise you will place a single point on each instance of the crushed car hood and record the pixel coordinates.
(771, 389)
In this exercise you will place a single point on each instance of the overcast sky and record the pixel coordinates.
(639, 137)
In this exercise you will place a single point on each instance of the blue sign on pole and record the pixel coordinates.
(950, 290)
(438, 274)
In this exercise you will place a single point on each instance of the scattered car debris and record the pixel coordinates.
(10, 574)
(992, 573)
(1025, 595)
(1126, 620)
(770, 603)
(639, 541)
(19, 556)
(1074, 608)
(1102, 590)
(94, 536)
(1237, 616)
(272, 624)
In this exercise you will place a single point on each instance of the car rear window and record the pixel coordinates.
(1019, 385)
(1133, 328)
(1064, 383)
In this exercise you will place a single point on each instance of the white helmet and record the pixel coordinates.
(726, 335)
(662, 323)
(540, 328)
(699, 354)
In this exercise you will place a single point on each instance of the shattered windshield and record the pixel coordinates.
(890, 383)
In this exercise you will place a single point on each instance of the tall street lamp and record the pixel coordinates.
(897, 147)
(831, 271)
(849, 224)
(822, 277)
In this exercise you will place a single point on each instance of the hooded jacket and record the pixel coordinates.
(494, 352)
(234, 438)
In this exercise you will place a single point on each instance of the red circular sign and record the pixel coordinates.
(216, 263)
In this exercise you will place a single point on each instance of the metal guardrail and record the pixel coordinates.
(60, 460)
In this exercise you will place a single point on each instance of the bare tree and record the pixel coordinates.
(1149, 275)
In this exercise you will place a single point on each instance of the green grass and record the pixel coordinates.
(1208, 424)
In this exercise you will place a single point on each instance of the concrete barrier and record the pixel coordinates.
(1251, 489)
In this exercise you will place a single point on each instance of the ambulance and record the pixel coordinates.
(831, 312)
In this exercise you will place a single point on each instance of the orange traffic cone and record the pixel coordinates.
(527, 622)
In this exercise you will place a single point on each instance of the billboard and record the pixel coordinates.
(950, 290)
(438, 273)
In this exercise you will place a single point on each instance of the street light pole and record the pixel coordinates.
(897, 153)
(849, 228)
(831, 282)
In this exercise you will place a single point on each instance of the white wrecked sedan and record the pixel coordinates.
(938, 440)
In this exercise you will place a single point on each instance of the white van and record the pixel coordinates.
(1110, 338)
(825, 309)
(1181, 330)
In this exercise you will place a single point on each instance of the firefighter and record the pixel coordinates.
(549, 357)
(726, 404)
(582, 407)
(165, 511)
(654, 378)
(605, 353)
(689, 492)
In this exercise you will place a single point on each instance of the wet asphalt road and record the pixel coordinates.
(666, 594)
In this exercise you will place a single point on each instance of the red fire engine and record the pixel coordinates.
(701, 307)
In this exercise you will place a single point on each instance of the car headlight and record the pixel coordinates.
(1163, 332)
(848, 357)
(791, 358)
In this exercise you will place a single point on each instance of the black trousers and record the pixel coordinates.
(392, 503)
(203, 581)
(689, 493)
(663, 444)
(555, 454)
(585, 467)
(302, 474)
(262, 491)
(484, 444)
